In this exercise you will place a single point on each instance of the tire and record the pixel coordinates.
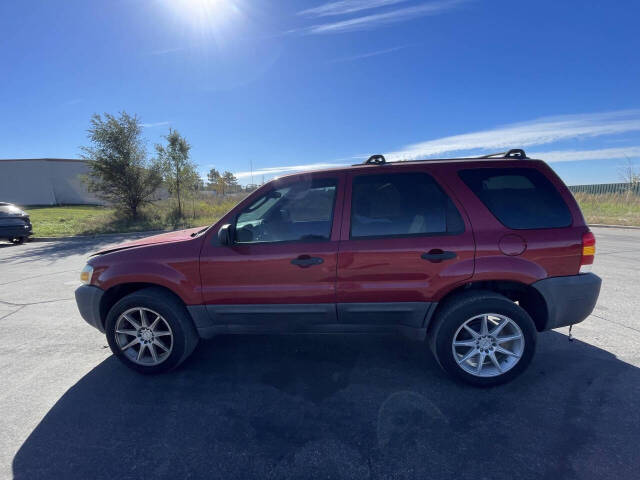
(489, 365)
(17, 240)
(173, 336)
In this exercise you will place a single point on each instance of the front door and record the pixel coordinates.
(403, 240)
(280, 271)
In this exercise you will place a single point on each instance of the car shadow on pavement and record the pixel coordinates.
(341, 407)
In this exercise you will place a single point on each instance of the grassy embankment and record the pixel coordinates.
(611, 209)
(614, 209)
(89, 220)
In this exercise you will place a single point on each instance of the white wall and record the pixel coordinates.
(44, 182)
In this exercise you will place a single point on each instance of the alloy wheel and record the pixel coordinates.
(488, 345)
(144, 336)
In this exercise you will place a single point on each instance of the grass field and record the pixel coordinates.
(60, 221)
(613, 209)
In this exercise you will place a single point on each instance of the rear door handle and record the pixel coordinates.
(304, 261)
(437, 255)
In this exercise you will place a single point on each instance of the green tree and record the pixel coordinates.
(213, 177)
(119, 170)
(214, 180)
(179, 171)
(193, 183)
(230, 182)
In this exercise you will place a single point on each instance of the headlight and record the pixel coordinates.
(86, 274)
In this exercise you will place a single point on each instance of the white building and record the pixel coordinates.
(44, 181)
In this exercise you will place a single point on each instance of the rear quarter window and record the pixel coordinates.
(520, 198)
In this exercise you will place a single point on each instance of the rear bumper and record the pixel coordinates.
(14, 231)
(569, 299)
(88, 298)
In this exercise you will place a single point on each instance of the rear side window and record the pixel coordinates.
(401, 204)
(520, 198)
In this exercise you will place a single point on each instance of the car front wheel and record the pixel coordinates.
(150, 331)
(483, 338)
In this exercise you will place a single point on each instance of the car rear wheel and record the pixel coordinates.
(483, 338)
(150, 331)
(17, 240)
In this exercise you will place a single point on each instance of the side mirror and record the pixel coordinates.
(225, 234)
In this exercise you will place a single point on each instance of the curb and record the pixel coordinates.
(99, 235)
(602, 225)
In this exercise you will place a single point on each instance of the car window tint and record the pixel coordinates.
(298, 212)
(401, 204)
(520, 198)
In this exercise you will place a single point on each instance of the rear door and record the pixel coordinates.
(404, 240)
(281, 267)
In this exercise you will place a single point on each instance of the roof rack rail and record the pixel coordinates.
(513, 153)
(375, 160)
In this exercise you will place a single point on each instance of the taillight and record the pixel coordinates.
(588, 251)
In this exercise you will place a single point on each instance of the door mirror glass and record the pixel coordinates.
(225, 235)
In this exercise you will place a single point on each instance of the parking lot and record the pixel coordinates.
(309, 406)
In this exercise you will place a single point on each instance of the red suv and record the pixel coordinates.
(473, 255)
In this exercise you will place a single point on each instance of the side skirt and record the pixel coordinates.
(408, 318)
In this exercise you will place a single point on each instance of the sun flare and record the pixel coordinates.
(205, 18)
(199, 7)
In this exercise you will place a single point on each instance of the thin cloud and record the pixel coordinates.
(156, 124)
(538, 132)
(579, 155)
(345, 7)
(550, 156)
(269, 171)
(375, 20)
(370, 54)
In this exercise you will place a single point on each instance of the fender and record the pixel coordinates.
(499, 268)
(172, 265)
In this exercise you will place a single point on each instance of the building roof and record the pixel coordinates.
(42, 160)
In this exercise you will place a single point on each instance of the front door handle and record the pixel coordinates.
(304, 261)
(436, 255)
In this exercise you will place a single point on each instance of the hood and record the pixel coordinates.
(170, 237)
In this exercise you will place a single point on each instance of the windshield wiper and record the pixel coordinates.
(195, 234)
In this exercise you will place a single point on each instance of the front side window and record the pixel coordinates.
(520, 198)
(401, 204)
(297, 212)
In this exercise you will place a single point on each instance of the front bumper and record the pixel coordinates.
(569, 299)
(88, 298)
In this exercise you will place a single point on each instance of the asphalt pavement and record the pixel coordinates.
(309, 406)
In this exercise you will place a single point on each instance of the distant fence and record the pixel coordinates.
(607, 188)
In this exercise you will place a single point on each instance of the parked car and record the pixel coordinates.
(15, 225)
(475, 256)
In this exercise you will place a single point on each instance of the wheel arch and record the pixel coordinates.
(527, 297)
(117, 292)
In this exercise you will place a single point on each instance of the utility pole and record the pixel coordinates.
(251, 169)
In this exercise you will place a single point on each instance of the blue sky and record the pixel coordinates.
(289, 85)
